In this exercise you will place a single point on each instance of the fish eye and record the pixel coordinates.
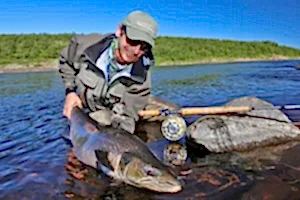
(150, 171)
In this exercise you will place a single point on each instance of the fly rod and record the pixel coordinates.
(173, 127)
(211, 110)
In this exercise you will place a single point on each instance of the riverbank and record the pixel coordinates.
(52, 64)
(39, 52)
(34, 67)
(224, 61)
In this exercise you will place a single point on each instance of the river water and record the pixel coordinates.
(34, 156)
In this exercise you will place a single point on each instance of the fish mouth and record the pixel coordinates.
(168, 189)
(174, 189)
(165, 187)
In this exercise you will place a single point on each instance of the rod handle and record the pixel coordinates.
(199, 110)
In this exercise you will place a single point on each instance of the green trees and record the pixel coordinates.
(31, 48)
(175, 49)
(34, 48)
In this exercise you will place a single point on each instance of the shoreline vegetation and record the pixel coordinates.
(40, 52)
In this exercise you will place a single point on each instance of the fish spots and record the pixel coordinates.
(91, 128)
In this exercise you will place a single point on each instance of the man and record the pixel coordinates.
(108, 75)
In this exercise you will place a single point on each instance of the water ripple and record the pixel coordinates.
(32, 151)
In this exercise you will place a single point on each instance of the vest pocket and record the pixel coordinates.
(90, 86)
(88, 78)
(115, 93)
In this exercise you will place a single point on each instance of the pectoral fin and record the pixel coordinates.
(103, 162)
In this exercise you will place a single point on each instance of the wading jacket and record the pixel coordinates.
(125, 93)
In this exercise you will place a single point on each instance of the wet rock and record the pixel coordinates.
(263, 126)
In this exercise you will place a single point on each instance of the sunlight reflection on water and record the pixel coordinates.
(33, 154)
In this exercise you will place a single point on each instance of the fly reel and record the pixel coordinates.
(175, 154)
(173, 127)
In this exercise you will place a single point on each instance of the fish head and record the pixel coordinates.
(143, 174)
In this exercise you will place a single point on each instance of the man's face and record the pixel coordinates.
(131, 50)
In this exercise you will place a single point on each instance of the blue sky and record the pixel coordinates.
(277, 20)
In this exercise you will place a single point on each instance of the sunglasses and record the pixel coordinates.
(144, 45)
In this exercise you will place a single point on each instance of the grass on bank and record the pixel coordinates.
(38, 48)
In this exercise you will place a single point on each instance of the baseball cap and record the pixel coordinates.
(141, 26)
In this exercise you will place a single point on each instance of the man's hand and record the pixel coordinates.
(72, 100)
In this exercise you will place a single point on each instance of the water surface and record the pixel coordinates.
(33, 154)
